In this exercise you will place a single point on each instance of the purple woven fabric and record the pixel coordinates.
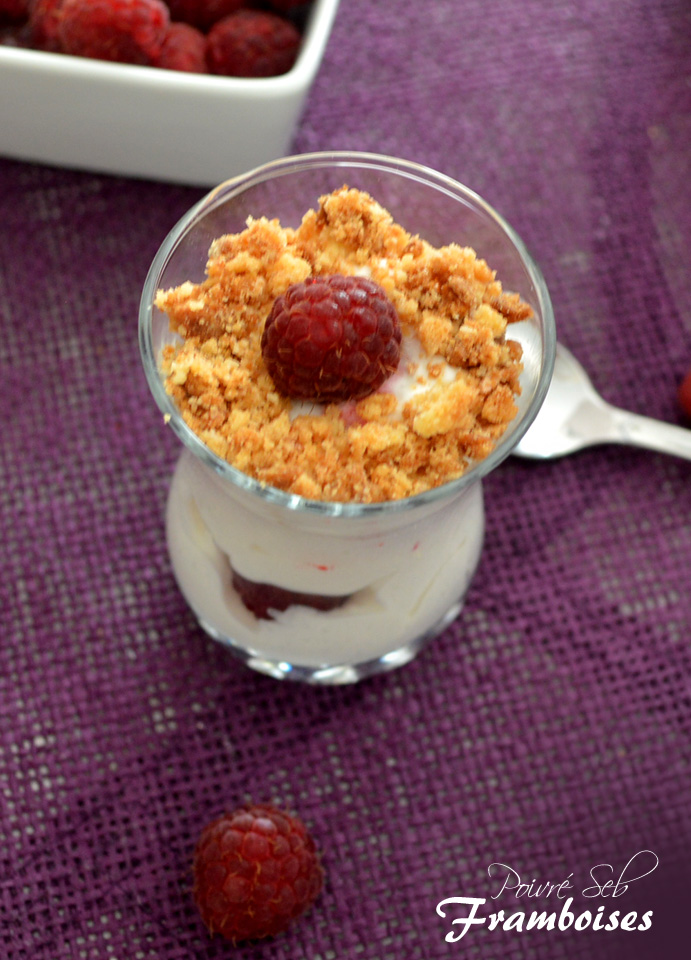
(548, 729)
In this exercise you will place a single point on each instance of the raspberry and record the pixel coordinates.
(285, 6)
(44, 20)
(184, 48)
(15, 35)
(125, 31)
(684, 394)
(252, 43)
(261, 598)
(255, 871)
(203, 13)
(331, 339)
(14, 9)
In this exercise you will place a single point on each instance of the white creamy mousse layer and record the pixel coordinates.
(413, 375)
(404, 570)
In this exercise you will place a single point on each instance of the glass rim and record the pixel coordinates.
(300, 162)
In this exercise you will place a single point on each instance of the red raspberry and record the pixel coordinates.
(285, 6)
(331, 339)
(252, 43)
(262, 598)
(184, 48)
(203, 13)
(125, 31)
(15, 35)
(684, 394)
(44, 20)
(14, 9)
(255, 871)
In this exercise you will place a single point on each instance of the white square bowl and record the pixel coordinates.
(136, 121)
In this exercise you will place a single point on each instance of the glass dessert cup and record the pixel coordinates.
(367, 584)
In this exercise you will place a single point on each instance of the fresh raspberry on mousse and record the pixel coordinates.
(331, 339)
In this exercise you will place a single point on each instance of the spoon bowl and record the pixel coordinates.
(574, 416)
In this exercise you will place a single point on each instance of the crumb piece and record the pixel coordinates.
(499, 407)
(445, 408)
(378, 406)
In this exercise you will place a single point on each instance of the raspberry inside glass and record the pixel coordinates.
(332, 339)
(263, 598)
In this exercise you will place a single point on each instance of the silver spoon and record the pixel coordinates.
(574, 416)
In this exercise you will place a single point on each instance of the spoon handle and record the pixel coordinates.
(639, 431)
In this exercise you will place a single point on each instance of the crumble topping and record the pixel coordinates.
(445, 408)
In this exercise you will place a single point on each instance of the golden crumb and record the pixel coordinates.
(446, 407)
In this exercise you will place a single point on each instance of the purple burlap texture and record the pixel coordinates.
(548, 728)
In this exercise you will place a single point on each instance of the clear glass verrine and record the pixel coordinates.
(401, 567)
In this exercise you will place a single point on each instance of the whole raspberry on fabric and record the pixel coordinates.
(124, 31)
(331, 339)
(252, 43)
(256, 870)
(44, 22)
(184, 48)
(203, 13)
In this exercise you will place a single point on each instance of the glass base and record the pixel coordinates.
(419, 572)
(332, 675)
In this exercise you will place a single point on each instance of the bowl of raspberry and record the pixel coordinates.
(345, 344)
(188, 91)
